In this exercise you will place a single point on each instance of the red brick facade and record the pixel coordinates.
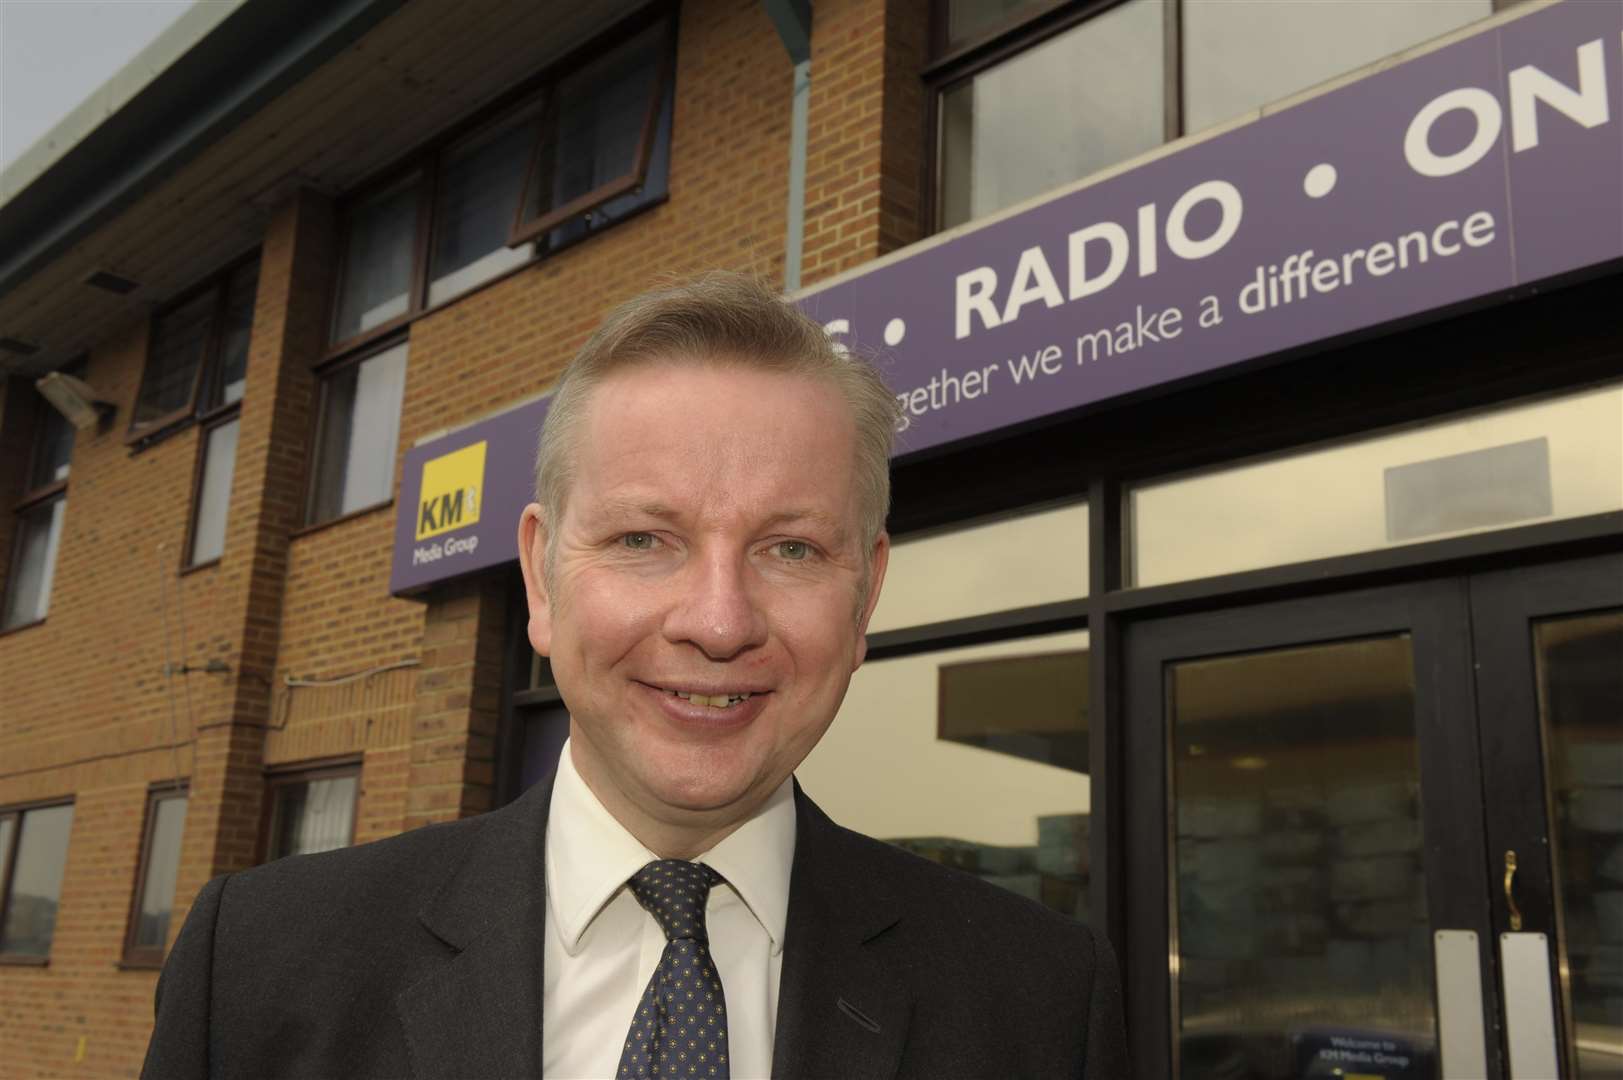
(86, 711)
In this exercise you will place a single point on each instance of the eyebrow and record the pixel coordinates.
(615, 507)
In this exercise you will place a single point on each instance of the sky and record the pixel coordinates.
(54, 53)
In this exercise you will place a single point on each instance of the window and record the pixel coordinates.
(39, 518)
(33, 853)
(219, 458)
(1030, 95)
(355, 442)
(581, 147)
(154, 899)
(197, 358)
(312, 811)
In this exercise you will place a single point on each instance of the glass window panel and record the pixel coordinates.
(968, 20)
(179, 341)
(34, 564)
(653, 187)
(1032, 559)
(599, 115)
(163, 863)
(359, 429)
(316, 815)
(382, 240)
(234, 338)
(1580, 685)
(7, 826)
(1083, 100)
(36, 881)
(479, 187)
(53, 448)
(1357, 496)
(1300, 899)
(1240, 54)
(214, 492)
(979, 797)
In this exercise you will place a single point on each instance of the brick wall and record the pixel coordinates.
(86, 711)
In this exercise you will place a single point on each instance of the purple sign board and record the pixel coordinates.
(1488, 164)
(1484, 166)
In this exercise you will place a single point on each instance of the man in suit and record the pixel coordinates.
(705, 550)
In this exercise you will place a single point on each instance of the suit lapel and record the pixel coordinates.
(841, 1012)
(479, 1013)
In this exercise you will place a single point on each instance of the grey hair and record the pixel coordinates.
(719, 317)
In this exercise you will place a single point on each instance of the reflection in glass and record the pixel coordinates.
(900, 762)
(1468, 474)
(34, 565)
(1011, 563)
(1300, 904)
(1580, 684)
(971, 19)
(36, 881)
(53, 449)
(479, 187)
(360, 426)
(179, 340)
(998, 144)
(377, 260)
(163, 863)
(1240, 54)
(316, 815)
(214, 492)
(240, 294)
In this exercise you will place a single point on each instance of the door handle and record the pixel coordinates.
(1510, 891)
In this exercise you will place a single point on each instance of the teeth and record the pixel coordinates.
(717, 701)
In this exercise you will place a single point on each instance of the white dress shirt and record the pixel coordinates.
(602, 946)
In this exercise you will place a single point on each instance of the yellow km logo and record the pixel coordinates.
(452, 484)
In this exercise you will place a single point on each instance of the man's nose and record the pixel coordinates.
(715, 607)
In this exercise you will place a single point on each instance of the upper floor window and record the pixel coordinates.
(357, 433)
(197, 358)
(31, 878)
(40, 513)
(584, 145)
(1030, 95)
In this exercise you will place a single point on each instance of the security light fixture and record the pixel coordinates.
(111, 282)
(74, 399)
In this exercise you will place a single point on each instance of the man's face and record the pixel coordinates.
(704, 616)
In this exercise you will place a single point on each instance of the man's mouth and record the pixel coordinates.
(722, 700)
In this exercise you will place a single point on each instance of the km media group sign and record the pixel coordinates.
(1485, 166)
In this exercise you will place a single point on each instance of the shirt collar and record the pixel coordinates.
(590, 856)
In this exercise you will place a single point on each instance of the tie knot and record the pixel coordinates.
(674, 891)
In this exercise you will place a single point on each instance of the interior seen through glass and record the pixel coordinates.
(1300, 915)
(1580, 682)
(973, 757)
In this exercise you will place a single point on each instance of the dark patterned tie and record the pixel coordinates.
(680, 1027)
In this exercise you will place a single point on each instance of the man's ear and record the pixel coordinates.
(876, 578)
(532, 555)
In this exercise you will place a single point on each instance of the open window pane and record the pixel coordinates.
(1244, 53)
(479, 184)
(214, 492)
(312, 816)
(360, 426)
(162, 864)
(232, 375)
(998, 150)
(180, 340)
(53, 449)
(592, 147)
(33, 566)
(378, 260)
(36, 881)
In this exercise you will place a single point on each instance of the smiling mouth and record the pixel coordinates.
(714, 701)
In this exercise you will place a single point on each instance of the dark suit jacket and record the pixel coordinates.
(420, 956)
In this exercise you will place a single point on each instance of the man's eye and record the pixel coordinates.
(638, 541)
(794, 550)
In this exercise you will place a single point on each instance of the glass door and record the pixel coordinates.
(1303, 793)
(1388, 829)
(1549, 649)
